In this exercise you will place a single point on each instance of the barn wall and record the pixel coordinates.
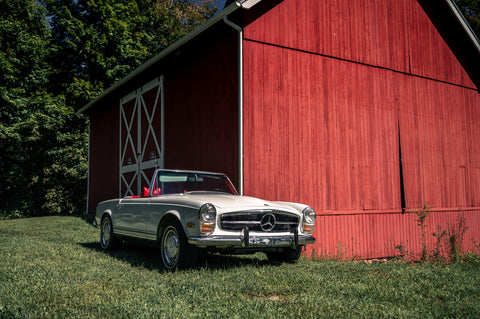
(396, 35)
(380, 234)
(439, 126)
(201, 115)
(104, 167)
(329, 136)
(201, 106)
(340, 116)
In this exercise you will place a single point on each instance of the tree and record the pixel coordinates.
(55, 56)
(99, 42)
(39, 148)
(471, 11)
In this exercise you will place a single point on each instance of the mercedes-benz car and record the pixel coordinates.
(188, 213)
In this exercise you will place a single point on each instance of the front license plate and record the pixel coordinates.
(269, 241)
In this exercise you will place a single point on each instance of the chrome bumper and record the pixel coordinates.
(247, 241)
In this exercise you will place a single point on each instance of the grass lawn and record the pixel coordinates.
(52, 267)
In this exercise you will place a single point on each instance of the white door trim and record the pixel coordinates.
(138, 146)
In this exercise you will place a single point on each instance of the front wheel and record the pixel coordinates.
(174, 247)
(289, 255)
(107, 237)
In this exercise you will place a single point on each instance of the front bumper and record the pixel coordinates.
(246, 240)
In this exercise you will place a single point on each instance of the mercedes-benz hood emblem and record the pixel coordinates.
(267, 223)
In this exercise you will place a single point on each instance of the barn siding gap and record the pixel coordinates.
(364, 64)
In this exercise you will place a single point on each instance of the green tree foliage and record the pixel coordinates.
(55, 56)
(471, 11)
(40, 152)
(101, 41)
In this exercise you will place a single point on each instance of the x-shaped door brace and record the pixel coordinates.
(137, 165)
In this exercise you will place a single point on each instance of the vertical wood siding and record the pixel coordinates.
(103, 164)
(201, 106)
(378, 235)
(201, 115)
(332, 126)
(349, 104)
(439, 133)
(392, 34)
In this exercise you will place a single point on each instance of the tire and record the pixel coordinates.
(174, 247)
(107, 236)
(289, 255)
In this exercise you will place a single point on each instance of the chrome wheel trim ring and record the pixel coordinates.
(170, 246)
(106, 232)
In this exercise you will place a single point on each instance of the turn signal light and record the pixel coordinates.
(308, 228)
(207, 228)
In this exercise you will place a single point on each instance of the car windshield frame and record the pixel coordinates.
(168, 182)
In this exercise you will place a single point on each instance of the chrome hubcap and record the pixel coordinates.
(170, 246)
(106, 232)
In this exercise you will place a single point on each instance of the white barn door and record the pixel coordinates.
(141, 136)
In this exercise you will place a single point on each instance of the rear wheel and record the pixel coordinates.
(174, 247)
(289, 255)
(107, 237)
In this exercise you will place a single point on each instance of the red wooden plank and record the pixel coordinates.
(392, 34)
(103, 166)
(201, 120)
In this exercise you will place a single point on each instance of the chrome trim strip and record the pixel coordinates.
(131, 232)
(261, 211)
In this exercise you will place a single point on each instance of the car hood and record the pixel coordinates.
(225, 202)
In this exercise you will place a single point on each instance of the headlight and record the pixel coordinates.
(309, 215)
(207, 215)
(308, 220)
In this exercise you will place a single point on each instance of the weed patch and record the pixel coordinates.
(447, 242)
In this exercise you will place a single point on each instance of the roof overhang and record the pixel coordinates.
(244, 4)
(457, 33)
(247, 4)
(464, 24)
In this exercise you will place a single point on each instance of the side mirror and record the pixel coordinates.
(146, 192)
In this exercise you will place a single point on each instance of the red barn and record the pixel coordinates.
(362, 109)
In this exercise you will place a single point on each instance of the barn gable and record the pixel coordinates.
(394, 35)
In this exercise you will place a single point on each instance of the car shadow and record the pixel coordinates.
(149, 257)
(88, 218)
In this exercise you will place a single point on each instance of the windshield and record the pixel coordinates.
(172, 182)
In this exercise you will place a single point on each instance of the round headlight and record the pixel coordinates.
(309, 215)
(208, 213)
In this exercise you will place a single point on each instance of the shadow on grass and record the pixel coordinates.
(88, 218)
(149, 257)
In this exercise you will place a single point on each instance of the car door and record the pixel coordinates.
(131, 217)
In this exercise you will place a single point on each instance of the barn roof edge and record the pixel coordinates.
(464, 23)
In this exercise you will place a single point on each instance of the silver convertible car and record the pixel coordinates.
(187, 213)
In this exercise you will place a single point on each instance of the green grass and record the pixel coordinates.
(52, 267)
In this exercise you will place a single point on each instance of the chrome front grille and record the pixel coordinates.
(261, 221)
